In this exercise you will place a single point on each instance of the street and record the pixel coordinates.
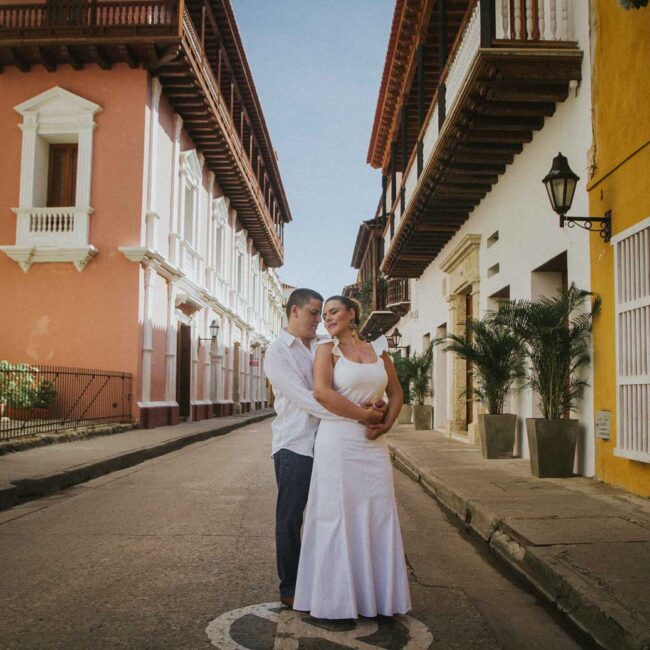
(162, 555)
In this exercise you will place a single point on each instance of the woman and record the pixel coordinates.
(352, 559)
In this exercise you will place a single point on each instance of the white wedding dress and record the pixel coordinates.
(352, 558)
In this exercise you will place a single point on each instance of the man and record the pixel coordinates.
(288, 366)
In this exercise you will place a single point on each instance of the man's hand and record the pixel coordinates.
(373, 416)
(375, 430)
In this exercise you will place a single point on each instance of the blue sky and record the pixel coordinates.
(317, 67)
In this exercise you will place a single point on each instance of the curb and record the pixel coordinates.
(600, 616)
(34, 487)
(70, 435)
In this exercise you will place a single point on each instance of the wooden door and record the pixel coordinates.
(183, 369)
(62, 176)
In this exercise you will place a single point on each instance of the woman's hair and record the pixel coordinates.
(349, 303)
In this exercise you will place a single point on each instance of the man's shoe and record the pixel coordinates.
(287, 601)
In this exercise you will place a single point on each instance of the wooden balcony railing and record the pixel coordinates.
(91, 19)
(398, 291)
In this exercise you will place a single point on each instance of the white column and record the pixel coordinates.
(152, 217)
(195, 360)
(207, 357)
(27, 161)
(174, 201)
(147, 333)
(85, 158)
(210, 235)
(172, 337)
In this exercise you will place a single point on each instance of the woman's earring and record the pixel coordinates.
(353, 326)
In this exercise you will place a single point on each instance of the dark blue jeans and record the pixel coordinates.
(292, 474)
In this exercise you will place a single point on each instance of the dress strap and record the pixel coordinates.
(380, 345)
(335, 346)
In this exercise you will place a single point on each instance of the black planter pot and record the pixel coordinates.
(497, 434)
(552, 445)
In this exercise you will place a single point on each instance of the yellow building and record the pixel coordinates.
(620, 270)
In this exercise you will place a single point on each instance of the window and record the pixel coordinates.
(240, 273)
(632, 286)
(62, 175)
(188, 225)
(192, 172)
(220, 209)
(218, 265)
(240, 260)
(56, 172)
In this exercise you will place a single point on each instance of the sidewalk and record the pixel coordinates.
(583, 544)
(42, 470)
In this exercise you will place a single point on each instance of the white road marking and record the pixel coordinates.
(292, 626)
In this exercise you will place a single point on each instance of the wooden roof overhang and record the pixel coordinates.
(161, 35)
(414, 23)
(401, 49)
(506, 95)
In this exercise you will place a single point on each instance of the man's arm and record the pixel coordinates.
(283, 377)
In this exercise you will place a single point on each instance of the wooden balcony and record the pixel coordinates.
(204, 75)
(380, 319)
(398, 300)
(136, 32)
(351, 290)
(511, 63)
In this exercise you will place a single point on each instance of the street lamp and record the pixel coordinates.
(394, 339)
(214, 331)
(560, 185)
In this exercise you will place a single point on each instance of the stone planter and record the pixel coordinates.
(552, 445)
(405, 415)
(497, 434)
(422, 416)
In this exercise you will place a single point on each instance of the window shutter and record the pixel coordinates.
(632, 283)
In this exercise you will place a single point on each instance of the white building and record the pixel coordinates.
(465, 217)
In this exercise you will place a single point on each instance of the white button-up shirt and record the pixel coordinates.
(288, 365)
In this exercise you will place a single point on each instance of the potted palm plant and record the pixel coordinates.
(556, 332)
(419, 369)
(497, 360)
(404, 377)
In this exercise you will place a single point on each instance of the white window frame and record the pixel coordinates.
(191, 172)
(220, 207)
(240, 263)
(633, 443)
(54, 116)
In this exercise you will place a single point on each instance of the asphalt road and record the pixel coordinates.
(178, 552)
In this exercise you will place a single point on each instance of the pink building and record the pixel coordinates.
(141, 205)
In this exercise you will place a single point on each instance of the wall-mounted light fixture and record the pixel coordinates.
(394, 339)
(560, 185)
(214, 331)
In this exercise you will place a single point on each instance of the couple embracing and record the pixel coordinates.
(332, 464)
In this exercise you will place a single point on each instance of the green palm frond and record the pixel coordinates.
(496, 355)
(403, 375)
(417, 368)
(556, 332)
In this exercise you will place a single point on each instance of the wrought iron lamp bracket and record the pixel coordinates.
(588, 223)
